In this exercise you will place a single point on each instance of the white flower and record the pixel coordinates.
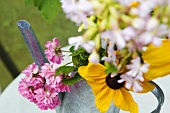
(145, 38)
(134, 76)
(78, 11)
(78, 41)
(111, 56)
(152, 24)
(115, 37)
(129, 33)
(131, 82)
(138, 23)
(136, 69)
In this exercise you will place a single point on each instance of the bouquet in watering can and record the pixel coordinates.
(124, 45)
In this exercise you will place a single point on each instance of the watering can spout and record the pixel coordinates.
(32, 43)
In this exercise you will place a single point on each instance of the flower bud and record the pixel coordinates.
(152, 24)
(138, 23)
(94, 57)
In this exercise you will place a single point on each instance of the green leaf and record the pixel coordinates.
(65, 69)
(110, 68)
(75, 60)
(49, 8)
(72, 80)
(79, 51)
(72, 49)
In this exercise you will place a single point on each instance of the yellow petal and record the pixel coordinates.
(123, 99)
(157, 56)
(92, 71)
(97, 87)
(159, 60)
(158, 71)
(104, 98)
(147, 86)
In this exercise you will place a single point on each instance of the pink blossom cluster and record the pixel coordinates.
(42, 86)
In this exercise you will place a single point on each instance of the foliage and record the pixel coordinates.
(48, 8)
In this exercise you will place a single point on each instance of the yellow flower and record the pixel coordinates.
(159, 60)
(106, 89)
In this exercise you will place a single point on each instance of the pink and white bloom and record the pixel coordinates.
(53, 52)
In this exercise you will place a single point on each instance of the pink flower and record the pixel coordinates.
(31, 69)
(42, 86)
(52, 81)
(46, 98)
(32, 77)
(53, 52)
(26, 90)
(47, 70)
(63, 87)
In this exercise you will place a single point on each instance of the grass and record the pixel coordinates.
(12, 11)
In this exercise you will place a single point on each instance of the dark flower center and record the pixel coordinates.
(112, 81)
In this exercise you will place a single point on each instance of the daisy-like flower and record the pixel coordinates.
(106, 88)
(53, 52)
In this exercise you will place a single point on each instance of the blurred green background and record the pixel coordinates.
(13, 10)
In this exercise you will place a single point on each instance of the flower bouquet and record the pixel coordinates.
(125, 45)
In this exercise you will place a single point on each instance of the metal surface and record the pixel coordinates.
(157, 91)
(80, 100)
(32, 42)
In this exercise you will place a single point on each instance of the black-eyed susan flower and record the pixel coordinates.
(106, 88)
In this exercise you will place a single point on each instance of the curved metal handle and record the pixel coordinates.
(157, 91)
